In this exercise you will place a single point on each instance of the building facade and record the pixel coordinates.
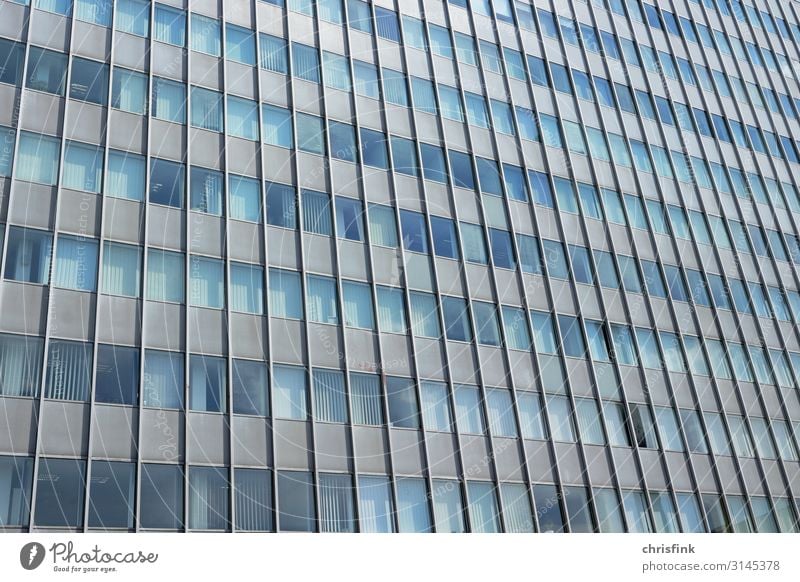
(400, 266)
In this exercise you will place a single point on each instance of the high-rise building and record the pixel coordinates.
(406, 265)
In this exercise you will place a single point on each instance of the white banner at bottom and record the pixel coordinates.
(406, 557)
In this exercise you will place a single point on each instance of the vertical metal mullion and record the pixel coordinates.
(225, 218)
(101, 198)
(309, 421)
(186, 216)
(270, 419)
(144, 275)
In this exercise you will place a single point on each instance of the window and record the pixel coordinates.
(445, 243)
(366, 79)
(117, 380)
(317, 212)
(16, 480)
(456, 319)
(360, 16)
(366, 400)
(163, 380)
(169, 25)
(60, 492)
(548, 508)
(165, 276)
(424, 96)
(161, 496)
(321, 300)
(424, 318)
(483, 511)
(387, 24)
(373, 148)
(89, 81)
(274, 53)
(310, 133)
(37, 159)
(20, 366)
(277, 126)
(76, 263)
(207, 384)
(349, 222)
(488, 330)
(207, 282)
(129, 91)
(296, 501)
(404, 154)
(285, 294)
(337, 505)
(433, 167)
(403, 407)
(555, 259)
(391, 310)
(47, 71)
(281, 205)
(244, 198)
(561, 423)
(516, 329)
(330, 402)
(382, 226)
(336, 70)
(643, 426)
(28, 255)
(395, 87)
(306, 62)
(247, 288)
(375, 502)
(133, 17)
(253, 499)
(240, 45)
(435, 406)
(12, 55)
(448, 507)
(414, 231)
(358, 305)
(451, 103)
(166, 183)
(461, 169)
(121, 269)
(608, 511)
(330, 10)
(501, 413)
(343, 140)
(111, 494)
(242, 117)
(125, 176)
(169, 100)
(476, 110)
(530, 257)
(289, 392)
(440, 41)
(83, 167)
(206, 35)
(206, 191)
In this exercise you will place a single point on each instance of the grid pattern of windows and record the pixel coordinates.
(547, 258)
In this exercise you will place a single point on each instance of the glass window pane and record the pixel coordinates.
(111, 494)
(117, 375)
(161, 496)
(60, 492)
(296, 501)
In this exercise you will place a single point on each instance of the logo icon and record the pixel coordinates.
(31, 555)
